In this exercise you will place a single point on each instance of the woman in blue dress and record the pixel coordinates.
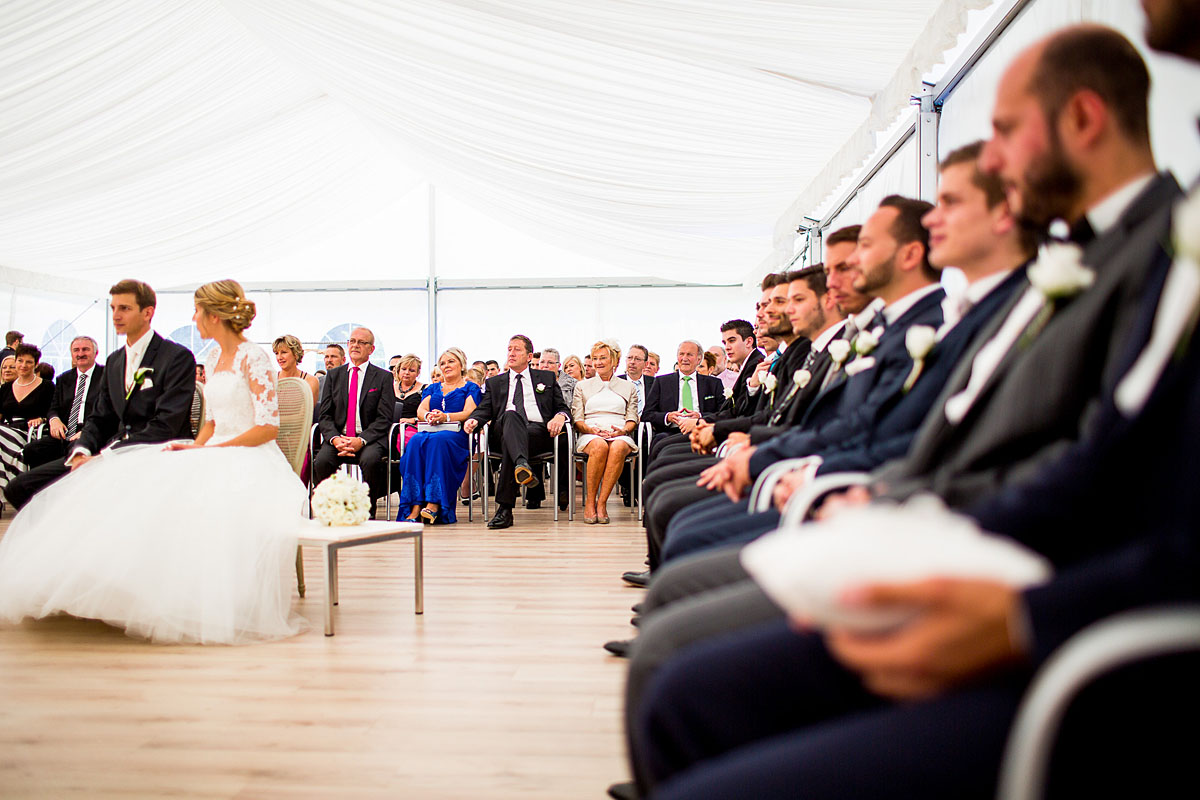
(435, 462)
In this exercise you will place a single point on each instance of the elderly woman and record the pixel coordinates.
(605, 413)
(408, 394)
(435, 461)
(24, 403)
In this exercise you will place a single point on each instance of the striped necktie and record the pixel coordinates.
(77, 405)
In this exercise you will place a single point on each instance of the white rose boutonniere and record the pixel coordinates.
(541, 387)
(1059, 271)
(865, 342)
(141, 380)
(769, 382)
(918, 340)
(729, 393)
(839, 351)
(801, 378)
(1058, 274)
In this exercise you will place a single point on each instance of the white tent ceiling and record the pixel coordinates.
(180, 140)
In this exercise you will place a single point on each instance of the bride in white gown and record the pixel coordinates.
(188, 542)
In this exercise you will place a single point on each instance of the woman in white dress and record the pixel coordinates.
(605, 413)
(186, 542)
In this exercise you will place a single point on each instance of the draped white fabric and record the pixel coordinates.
(182, 139)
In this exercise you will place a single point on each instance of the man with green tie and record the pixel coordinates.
(681, 399)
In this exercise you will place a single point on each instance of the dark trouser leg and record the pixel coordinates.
(539, 444)
(670, 630)
(512, 440)
(374, 466)
(661, 441)
(767, 713)
(671, 498)
(730, 525)
(326, 463)
(694, 575)
(23, 487)
(43, 451)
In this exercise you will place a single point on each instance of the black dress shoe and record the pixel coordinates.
(636, 620)
(637, 608)
(624, 791)
(619, 647)
(562, 504)
(628, 502)
(637, 578)
(533, 505)
(503, 518)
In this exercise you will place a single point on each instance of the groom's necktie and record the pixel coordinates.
(689, 404)
(519, 397)
(352, 405)
(77, 404)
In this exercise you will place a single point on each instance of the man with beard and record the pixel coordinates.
(1040, 404)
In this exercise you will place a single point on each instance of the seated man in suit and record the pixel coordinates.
(1039, 471)
(551, 361)
(356, 412)
(635, 363)
(67, 413)
(526, 410)
(130, 409)
(680, 399)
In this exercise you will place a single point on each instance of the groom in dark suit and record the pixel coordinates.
(356, 414)
(145, 395)
(527, 410)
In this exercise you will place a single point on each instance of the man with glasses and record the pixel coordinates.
(355, 415)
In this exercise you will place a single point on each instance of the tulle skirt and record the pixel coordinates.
(191, 546)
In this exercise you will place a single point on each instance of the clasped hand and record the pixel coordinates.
(347, 445)
(730, 475)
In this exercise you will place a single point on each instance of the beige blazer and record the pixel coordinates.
(588, 387)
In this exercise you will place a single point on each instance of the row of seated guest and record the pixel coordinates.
(1021, 406)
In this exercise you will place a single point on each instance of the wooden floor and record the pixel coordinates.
(500, 690)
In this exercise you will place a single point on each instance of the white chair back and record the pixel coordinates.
(295, 419)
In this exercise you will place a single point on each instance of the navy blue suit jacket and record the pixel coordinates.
(849, 406)
(901, 414)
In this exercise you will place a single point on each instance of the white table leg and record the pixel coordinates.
(328, 555)
(419, 570)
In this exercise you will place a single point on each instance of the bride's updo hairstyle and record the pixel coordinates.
(227, 300)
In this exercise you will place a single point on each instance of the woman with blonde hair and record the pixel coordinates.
(573, 367)
(409, 394)
(605, 414)
(289, 352)
(8, 369)
(219, 572)
(435, 460)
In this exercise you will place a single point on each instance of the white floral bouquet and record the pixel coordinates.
(339, 500)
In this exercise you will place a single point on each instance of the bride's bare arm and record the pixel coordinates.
(259, 434)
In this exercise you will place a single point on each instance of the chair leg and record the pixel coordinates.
(300, 570)
(328, 557)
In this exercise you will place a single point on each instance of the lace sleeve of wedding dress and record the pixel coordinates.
(256, 368)
(210, 366)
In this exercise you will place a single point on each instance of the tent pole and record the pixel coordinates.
(431, 284)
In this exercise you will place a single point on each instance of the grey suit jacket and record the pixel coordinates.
(1045, 392)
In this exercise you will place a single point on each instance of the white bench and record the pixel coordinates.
(333, 539)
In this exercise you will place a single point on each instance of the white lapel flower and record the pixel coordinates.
(541, 387)
(1059, 271)
(769, 382)
(801, 378)
(729, 393)
(918, 340)
(839, 351)
(866, 341)
(1187, 228)
(141, 380)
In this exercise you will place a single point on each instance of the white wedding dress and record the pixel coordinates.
(194, 545)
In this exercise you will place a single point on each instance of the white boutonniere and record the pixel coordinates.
(918, 340)
(801, 378)
(866, 341)
(839, 351)
(1186, 227)
(769, 382)
(728, 393)
(141, 380)
(1059, 272)
(541, 387)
